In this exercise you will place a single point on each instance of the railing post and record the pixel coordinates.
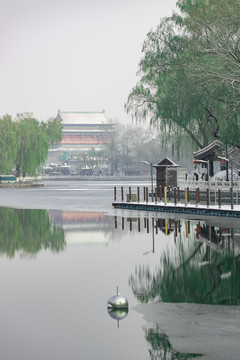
(186, 228)
(160, 193)
(156, 226)
(197, 196)
(122, 196)
(138, 194)
(165, 195)
(186, 197)
(155, 195)
(130, 224)
(231, 197)
(176, 228)
(208, 197)
(219, 198)
(115, 193)
(198, 230)
(178, 192)
(188, 200)
(146, 194)
(130, 194)
(166, 227)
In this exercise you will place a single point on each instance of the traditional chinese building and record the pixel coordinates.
(209, 154)
(82, 131)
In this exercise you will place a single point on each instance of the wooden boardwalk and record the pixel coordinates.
(213, 210)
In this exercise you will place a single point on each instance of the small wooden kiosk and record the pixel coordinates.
(166, 173)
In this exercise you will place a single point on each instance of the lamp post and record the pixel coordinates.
(150, 164)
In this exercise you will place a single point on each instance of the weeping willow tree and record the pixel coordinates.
(189, 73)
(33, 141)
(8, 144)
(24, 143)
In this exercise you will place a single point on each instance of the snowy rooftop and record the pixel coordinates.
(82, 117)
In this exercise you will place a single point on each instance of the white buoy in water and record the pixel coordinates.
(117, 302)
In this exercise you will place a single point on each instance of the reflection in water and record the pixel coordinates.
(83, 227)
(204, 266)
(200, 265)
(28, 232)
(161, 347)
(117, 314)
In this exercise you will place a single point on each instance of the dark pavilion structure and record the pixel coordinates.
(166, 173)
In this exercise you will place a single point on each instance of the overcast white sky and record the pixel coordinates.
(73, 55)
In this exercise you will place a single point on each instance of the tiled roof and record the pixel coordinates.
(82, 117)
(166, 162)
(214, 147)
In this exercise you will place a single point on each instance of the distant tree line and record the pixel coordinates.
(127, 146)
(24, 142)
(124, 148)
(189, 74)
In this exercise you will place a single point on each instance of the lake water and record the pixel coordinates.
(65, 250)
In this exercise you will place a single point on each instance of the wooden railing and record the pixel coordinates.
(212, 184)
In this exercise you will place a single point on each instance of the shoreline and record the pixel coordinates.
(20, 185)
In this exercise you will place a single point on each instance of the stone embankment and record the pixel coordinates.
(165, 202)
(20, 185)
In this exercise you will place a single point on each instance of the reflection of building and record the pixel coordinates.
(82, 226)
(82, 131)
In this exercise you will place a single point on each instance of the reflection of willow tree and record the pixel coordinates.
(28, 231)
(197, 277)
(161, 347)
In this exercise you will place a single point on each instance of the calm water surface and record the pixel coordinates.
(61, 262)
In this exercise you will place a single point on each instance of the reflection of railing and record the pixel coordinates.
(156, 226)
(217, 236)
(94, 177)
